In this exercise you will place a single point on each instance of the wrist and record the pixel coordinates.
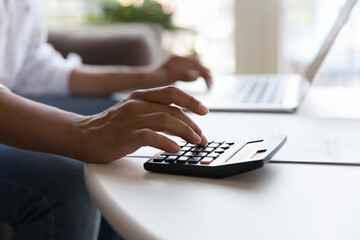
(77, 136)
(126, 80)
(156, 78)
(69, 138)
(85, 136)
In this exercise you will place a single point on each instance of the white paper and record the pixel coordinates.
(315, 140)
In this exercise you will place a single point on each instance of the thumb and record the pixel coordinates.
(192, 75)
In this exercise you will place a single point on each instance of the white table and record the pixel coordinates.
(280, 201)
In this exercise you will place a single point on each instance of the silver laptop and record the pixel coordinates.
(270, 93)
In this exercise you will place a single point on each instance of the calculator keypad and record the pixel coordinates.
(194, 154)
(217, 159)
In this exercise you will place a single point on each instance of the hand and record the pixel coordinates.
(134, 122)
(178, 68)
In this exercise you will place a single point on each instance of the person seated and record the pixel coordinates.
(42, 191)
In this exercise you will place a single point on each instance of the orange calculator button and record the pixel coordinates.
(207, 160)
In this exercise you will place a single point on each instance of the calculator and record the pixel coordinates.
(217, 159)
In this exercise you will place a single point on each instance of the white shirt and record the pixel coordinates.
(28, 65)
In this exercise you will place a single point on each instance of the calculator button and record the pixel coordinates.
(218, 141)
(196, 149)
(213, 155)
(189, 154)
(207, 150)
(170, 159)
(190, 145)
(194, 159)
(207, 160)
(174, 154)
(225, 146)
(230, 143)
(200, 154)
(182, 159)
(185, 149)
(220, 150)
(159, 158)
(182, 144)
(214, 145)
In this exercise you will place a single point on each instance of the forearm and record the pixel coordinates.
(104, 137)
(104, 80)
(33, 126)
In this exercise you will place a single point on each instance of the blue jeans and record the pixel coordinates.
(43, 196)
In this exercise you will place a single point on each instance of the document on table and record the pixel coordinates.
(315, 140)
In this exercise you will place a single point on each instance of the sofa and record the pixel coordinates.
(118, 44)
(129, 44)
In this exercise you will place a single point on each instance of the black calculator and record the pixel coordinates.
(217, 159)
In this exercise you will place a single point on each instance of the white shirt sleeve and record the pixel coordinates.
(44, 70)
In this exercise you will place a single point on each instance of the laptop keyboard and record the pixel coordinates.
(260, 90)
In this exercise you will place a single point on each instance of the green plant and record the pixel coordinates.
(150, 11)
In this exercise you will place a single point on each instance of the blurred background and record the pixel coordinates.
(233, 36)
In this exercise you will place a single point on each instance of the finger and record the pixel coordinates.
(186, 64)
(162, 122)
(147, 137)
(204, 72)
(208, 82)
(171, 95)
(190, 63)
(192, 75)
(188, 75)
(204, 140)
(147, 108)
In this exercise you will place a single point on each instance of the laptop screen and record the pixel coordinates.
(315, 66)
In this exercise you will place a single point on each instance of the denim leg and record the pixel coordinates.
(43, 196)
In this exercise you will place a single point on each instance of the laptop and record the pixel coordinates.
(269, 93)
